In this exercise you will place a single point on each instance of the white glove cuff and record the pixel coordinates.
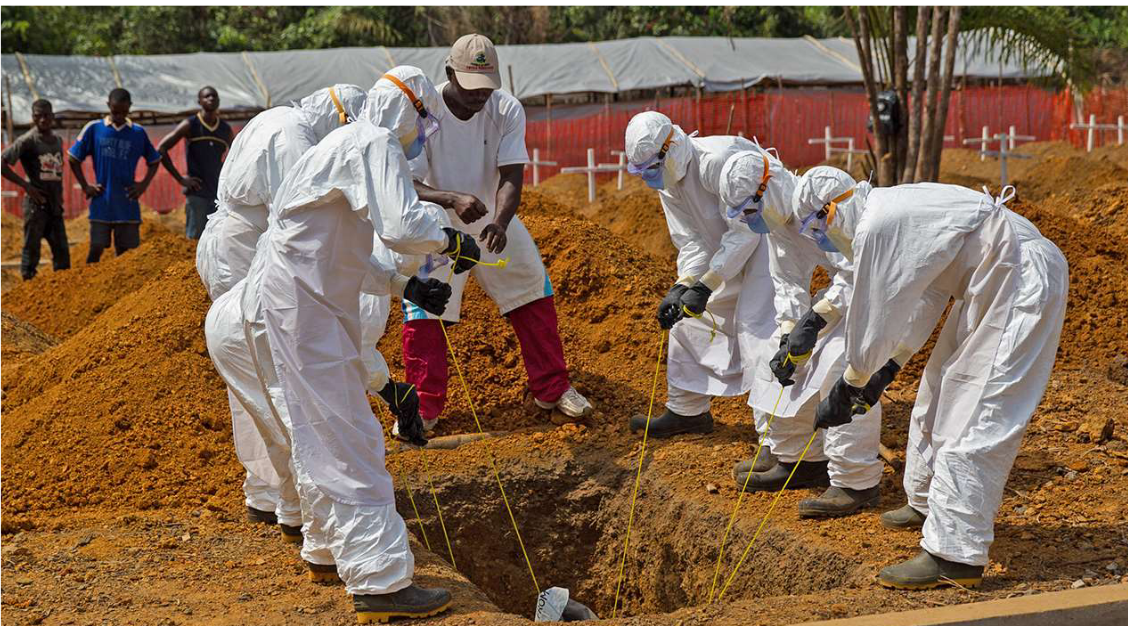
(826, 310)
(854, 378)
(687, 281)
(786, 327)
(712, 280)
(399, 283)
(903, 354)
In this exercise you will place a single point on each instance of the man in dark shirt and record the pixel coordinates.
(115, 144)
(40, 151)
(208, 140)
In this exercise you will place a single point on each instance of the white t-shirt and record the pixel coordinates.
(464, 156)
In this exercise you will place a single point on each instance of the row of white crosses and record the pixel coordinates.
(1006, 149)
(601, 168)
(828, 140)
(1093, 127)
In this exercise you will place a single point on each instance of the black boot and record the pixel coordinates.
(808, 474)
(258, 516)
(323, 574)
(764, 462)
(291, 534)
(927, 571)
(839, 502)
(904, 518)
(669, 424)
(411, 601)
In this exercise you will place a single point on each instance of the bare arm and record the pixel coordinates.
(167, 142)
(508, 199)
(76, 169)
(466, 206)
(31, 191)
(137, 189)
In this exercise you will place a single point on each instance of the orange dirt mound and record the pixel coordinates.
(61, 303)
(126, 413)
(1049, 175)
(21, 340)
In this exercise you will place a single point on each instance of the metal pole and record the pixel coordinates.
(1092, 132)
(591, 175)
(1003, 159)
(536, 166)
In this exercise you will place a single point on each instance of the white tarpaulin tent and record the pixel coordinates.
(255, 80)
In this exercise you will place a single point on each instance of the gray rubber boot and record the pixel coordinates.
(839, 502)
(808, 474)
(258, 516)
(904, 518)
(764, 462)
(926, 571)
(411, 601)
(669, 424)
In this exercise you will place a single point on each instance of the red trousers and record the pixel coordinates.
(425, 356)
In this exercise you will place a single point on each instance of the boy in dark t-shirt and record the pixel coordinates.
(208, 139)
(40, 151)
(116, 144)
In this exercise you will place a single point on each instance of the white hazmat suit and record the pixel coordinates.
(261, 155)
(716, 250)
(851, 449)
(913, 248)
(315, 258)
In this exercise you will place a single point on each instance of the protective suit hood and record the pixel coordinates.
(823, 187)
(645, 135)
(323, 108)
(741, 177)
(389, 107)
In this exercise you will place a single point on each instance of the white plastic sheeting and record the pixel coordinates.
(253, 80)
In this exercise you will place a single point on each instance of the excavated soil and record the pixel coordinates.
(122, 493)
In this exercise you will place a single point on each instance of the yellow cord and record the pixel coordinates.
(435, 496)
(713, 331)
(766, 515)
(638, 473)
(732, 518)
(489, 455)
(399, 470)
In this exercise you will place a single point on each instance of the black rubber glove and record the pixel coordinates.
(696, 297)
(670, 311)
(802, 339)
(403, 402)
(463, 245)
(837, 408)
(871, 393)
(782, 367)
(429, 294)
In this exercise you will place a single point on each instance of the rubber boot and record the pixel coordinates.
(839, 502)
(411, 601)
(926, 571)
(258, 516)
(291, 534)
(323, 574)
(808, 474)
(904, 518)
(669, 424)
(764, 462)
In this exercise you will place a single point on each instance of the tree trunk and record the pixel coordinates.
(945, 92)
(913, 106)
(900, 83)
(930, 101)
(860, 29)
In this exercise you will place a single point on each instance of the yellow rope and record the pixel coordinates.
(638, 473)
(764, 521)
(435, 497)
(410, 497)
(732, 518)
(712, 331)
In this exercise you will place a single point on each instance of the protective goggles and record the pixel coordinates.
(751, 211)
(425, 123)
(651, 170)
(815, 225)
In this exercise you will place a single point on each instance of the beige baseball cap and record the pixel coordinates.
(474, 61)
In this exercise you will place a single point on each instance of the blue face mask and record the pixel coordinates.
(416, 147)
(653, 171)
(654, 177)
(754, 219)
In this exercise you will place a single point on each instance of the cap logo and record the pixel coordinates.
(481, 64)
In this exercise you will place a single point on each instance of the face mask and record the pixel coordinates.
(841, 243)
(752, 210)
(653, 171)
(425, 124)
(818, 227)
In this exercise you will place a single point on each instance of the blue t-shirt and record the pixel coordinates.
(116, 152)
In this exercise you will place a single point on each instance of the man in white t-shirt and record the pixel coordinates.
(474, 169)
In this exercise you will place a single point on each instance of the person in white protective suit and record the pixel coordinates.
(475, 169)
(310, 269)
(913, 248)
(263, 151)
(719, 313)
(757, 189)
